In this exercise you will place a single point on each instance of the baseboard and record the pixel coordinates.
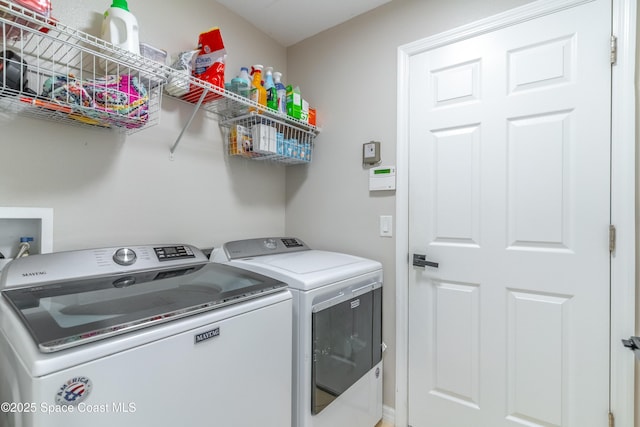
(389, 415)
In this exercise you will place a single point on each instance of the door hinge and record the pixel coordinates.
(611, 420)
(612, 238)
(614, 50)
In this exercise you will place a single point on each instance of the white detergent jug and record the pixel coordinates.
(120, 27)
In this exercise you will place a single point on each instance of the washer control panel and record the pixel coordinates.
(125, 256)
(58, 266)
(167, 253)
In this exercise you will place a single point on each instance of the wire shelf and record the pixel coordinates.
(238, 117)
(54, 72)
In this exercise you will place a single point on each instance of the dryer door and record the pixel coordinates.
(346, 341)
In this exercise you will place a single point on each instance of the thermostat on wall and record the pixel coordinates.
(382, 178)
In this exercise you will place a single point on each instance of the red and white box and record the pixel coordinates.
(38, 11)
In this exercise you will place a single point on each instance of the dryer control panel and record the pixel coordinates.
(263, 246)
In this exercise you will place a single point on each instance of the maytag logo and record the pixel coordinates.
(34, 273)
(207, 335)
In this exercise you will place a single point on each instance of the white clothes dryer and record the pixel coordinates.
(337, 327)
(142, 336)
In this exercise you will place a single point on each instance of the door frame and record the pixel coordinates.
(623, 193)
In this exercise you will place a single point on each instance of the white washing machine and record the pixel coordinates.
(142, 336)
(337, 327)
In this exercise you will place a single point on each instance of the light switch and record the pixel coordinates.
(386, 226)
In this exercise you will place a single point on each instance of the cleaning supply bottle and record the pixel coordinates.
(281, 93)
(241, 84)
(270, 87)
(258, 92)
(120, 27)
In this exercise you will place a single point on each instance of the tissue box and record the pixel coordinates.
(264, 139)
(273, 139)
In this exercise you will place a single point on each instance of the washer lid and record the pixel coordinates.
(309, 269)
(65, 314)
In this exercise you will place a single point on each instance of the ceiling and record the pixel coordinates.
(291, 21)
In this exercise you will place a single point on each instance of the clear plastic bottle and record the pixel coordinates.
(270, 87)
(258, 92)
(120, 27)
(281, 93)
(241, 84)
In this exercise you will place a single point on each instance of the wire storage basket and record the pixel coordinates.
(54, 72)
(260, 137)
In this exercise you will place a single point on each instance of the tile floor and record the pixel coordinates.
(322, 396)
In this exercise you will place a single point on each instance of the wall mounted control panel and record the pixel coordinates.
(382, 178)
(371, 153)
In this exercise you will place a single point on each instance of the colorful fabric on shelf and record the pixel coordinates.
(113, 100)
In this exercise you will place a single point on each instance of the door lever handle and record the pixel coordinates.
(421, 261)
(633, 343)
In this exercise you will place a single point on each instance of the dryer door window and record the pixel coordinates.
(346, 341)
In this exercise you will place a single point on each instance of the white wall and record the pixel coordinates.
(106, 189)
(349, 74)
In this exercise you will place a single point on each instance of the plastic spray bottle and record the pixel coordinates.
(281, 93)
(120, 27)
(258, 92)
(270, 87)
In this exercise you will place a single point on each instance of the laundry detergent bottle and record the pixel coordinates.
(242, 84)
(258, 92)
(120, 27)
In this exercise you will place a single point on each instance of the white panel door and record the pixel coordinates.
(509, 193)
